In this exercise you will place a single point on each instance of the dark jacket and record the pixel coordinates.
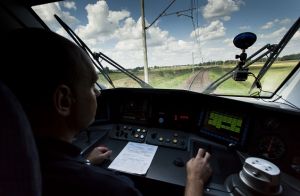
(66, 172)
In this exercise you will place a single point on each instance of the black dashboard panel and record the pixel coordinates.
(179, 122)
(223, 120)
(267, 132)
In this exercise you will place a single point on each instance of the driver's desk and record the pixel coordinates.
(167, 172)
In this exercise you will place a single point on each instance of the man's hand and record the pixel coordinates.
(99, 154)
(198, 172)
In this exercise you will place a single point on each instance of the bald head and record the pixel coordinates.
(37, 61)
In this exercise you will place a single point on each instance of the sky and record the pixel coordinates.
(201, 31)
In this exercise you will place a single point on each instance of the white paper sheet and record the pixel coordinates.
(135, 158)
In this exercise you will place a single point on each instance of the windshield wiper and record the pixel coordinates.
(81, 44)
(95, 58)
(229, 74)
(274, 49)
(122, 69)
(277, 50)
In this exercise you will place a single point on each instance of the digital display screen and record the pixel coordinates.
(222, 121)
(134, 110)
(223, 126)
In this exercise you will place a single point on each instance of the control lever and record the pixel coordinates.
(233, 148)
(197, 144)
(88, 135)
(179, 162)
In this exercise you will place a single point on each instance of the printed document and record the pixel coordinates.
(135, 158)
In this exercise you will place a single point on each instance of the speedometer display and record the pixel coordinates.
(224, 126)
(271, 147)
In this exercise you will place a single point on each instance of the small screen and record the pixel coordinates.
(223, 126)
(134, 110)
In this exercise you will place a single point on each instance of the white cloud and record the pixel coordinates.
(297, 35)
(170, 52)
(118, 27)
(228, 42)
(130, 30)
(285, 21)
(47, 11)
(213, 31)
(163, 49)
(69, 5)
(293, 46)
(268, 25)
(220, 8)
(226, 18)
(157, 36)
(244, 27)
(275, 35)
(102, 23)
(118, 35)
(128, 41)
(276, 22)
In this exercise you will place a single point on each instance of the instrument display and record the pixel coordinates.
(223, 126)
(271, 147)
(226, 122)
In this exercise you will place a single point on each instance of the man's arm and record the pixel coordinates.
(99, 154)
(198, 172)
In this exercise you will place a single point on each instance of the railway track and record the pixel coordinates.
(198, 82)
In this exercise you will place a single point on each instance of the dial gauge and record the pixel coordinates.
(271, 147)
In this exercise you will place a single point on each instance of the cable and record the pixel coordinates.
(276, 100)
(177, 13)
(197, 35)
(258, 85)
(160, 14)
(241, 156)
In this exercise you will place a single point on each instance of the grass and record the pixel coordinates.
(176, 77)
(170, 78)
(272, 79)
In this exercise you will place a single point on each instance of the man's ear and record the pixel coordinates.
(63, 100)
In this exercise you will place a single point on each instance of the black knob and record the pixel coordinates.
(153, 135)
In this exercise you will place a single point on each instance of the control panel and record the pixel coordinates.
(158, 116)
(129, 133)
(168, 138)
(159, 137)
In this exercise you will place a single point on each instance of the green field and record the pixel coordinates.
(177, 77)
(165, 77)
(270, 82)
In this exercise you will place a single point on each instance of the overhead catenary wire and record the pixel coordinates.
(178, 13)
(193, 6)
(160, 14)
(196, 27)
(192, 15)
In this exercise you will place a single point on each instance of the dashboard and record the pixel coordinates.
(167, 117)
(180, 122)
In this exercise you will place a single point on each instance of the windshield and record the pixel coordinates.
(183, 44)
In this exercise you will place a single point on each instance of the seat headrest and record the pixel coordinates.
(19, 163)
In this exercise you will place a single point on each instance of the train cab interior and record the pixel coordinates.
(240, 132)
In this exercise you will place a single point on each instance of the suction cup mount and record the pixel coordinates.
(243, 41)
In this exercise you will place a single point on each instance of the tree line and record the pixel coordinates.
(212, 63)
